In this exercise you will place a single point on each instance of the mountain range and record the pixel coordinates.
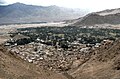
(22, 13)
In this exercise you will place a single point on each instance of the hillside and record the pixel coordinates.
(12, 67)
(103, 64)
(22, 13)
(103, 17)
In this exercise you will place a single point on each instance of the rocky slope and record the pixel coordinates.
(12, 67)
(103, 17)
(103, 64)
(22, 13)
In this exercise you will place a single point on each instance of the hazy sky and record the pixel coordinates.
(93, 5)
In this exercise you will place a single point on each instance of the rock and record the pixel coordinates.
(76, 63)
(33, 58)
(85, 49)
(41, 58)
(30, 61)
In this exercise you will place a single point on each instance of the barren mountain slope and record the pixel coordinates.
(103, 17)
(22, 13)
(104, 64)
(12, 67)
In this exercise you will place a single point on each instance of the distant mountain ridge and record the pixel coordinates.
(110, 16)
(22, 13)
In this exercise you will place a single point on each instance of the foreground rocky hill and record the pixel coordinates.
(12, 67)
(103, 17)
(103, 64)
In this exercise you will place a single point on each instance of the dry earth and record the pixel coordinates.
(103, 64)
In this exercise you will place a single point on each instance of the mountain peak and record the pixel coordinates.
(18, 4)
